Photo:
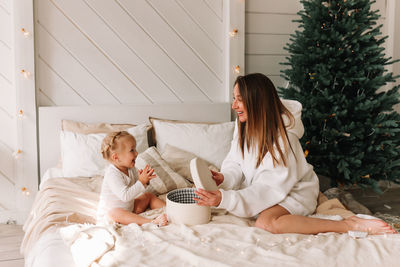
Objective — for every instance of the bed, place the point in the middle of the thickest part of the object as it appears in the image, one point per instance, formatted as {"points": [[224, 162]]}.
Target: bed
{"points": [[61, 229]]}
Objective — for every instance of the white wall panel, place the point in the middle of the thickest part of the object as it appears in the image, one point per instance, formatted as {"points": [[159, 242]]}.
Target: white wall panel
{"points": [[270, 23], [7, 196], [7, 162], [130, 51], [7, 133], [6, 66], [175, 47], [139, 41], [7, 95], [191, 34], [130, 64], [8, 140], [273, 6], [216, 6], [54, 88], [5, 27], [54, 23], [77, 76], [266, 44], [206, 19], [267, 64]]}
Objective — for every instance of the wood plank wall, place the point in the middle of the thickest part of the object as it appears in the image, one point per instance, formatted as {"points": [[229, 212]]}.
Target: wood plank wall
{"points": [[8, 118], [129, 51]]}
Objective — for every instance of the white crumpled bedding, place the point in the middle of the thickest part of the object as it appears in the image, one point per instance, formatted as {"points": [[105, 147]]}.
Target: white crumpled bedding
{"points": [[226, 241]]}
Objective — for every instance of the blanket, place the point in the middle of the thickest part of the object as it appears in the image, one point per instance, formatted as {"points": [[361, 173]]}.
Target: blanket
{"points": [[69, 205]]}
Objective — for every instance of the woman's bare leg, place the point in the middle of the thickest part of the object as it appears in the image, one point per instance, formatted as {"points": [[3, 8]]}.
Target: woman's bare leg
{"points": [[278, 220], [147, 200], [126, 217]]}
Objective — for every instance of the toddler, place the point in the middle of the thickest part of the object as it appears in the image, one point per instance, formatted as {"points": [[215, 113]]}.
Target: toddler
{"points": [[122, 195]]}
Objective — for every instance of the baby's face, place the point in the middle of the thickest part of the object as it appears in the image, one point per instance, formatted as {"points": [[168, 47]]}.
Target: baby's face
{"points": [[127, 154]]}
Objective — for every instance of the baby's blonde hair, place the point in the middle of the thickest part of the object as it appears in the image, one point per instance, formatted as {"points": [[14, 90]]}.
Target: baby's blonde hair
{"points": [[111, 143]]}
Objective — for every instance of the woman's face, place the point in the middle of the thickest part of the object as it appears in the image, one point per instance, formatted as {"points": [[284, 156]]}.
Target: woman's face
{"points": [[238, 105]]}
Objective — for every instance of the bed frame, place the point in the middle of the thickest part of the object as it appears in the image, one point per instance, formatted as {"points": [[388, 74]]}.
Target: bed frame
{"points": [[50, 120]]}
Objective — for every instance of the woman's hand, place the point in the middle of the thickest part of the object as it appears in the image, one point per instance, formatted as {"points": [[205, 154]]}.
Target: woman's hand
{"points": [[208, 198], [218, 177], [146, 175]]}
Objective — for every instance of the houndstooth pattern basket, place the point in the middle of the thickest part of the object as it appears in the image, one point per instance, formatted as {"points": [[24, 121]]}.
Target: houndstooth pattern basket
{"points": [[182, 208]]}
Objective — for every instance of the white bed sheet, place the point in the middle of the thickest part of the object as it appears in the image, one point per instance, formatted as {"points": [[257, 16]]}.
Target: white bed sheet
{"points": [[50, 250]]}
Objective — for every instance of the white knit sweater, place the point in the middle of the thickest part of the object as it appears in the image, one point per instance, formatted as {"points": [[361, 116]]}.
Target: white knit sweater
{"points": [[247, 190]]}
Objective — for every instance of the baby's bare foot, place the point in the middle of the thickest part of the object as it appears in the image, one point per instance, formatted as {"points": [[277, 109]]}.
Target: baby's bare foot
{"points": [[372, 226], [161, 220]]}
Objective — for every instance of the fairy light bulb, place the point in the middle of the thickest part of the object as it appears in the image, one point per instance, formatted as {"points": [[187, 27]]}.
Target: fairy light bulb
{"points": [[21, 114], [25, 191], [17, 154], [233, 33], [237, 69], [25, 73], [25, 32]]}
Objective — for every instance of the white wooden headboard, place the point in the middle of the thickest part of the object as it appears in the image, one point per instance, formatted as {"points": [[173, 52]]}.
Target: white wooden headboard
{"points": [[50, 120]]}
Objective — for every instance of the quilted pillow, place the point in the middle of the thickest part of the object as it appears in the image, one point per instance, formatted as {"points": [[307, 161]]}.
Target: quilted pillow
{"points": [[167, 179]]}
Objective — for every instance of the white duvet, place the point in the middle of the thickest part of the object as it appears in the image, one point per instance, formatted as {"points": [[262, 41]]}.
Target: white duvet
{"points": [[227, 240]]}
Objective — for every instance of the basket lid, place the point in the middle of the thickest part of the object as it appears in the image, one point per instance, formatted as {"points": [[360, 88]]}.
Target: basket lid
{"points": [[201, 175]]}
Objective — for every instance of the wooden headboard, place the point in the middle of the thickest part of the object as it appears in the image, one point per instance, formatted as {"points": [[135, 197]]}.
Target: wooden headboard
{"points": [[50, 120]]}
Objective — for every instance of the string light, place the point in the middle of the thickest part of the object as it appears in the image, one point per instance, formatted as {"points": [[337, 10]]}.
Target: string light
{"points": [[25, 191], [237, 69], [25, 32], [233, 33], [25, 73], [21, 114], [17, 154]]}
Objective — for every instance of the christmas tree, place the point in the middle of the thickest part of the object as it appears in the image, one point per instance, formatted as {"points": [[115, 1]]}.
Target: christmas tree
{"points": [[336, 66]]}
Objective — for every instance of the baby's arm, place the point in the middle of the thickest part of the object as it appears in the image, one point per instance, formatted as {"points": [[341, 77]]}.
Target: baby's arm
{"points": [[122, 190]]}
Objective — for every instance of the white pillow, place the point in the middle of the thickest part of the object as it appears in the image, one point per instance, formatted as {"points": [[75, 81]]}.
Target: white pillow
{"points": [[210, 142], [81, 156]]}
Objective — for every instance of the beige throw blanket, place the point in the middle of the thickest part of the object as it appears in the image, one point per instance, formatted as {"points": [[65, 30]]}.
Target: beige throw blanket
{"points": [[59, 202]]}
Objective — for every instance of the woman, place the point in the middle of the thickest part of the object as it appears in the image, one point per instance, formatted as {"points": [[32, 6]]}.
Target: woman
{"points": [[265, 173]]}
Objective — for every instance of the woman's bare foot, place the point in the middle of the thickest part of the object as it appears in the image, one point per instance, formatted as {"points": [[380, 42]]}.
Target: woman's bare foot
{"points": [[372, 226], [161, 220]]}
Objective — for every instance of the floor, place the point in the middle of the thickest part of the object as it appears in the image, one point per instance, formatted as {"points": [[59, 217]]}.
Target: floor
{"points": [[388, 202], [10, 241]]}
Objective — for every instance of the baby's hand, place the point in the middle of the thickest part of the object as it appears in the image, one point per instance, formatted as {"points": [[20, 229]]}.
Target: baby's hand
{"points": [[146, 175]]}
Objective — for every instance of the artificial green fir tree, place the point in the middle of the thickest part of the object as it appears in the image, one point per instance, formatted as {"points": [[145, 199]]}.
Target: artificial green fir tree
{"points": [[335, 68]]}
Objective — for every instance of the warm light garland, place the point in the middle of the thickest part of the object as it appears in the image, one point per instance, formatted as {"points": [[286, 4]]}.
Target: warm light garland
{"points": [[25, 191], [25, 32], [17, 153], [237, 69], [25, 73], [21, 114], [233, 33]]}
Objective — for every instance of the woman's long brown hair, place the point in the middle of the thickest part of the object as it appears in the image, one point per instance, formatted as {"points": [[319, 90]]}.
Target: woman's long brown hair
{"points": [[264, 125]]}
